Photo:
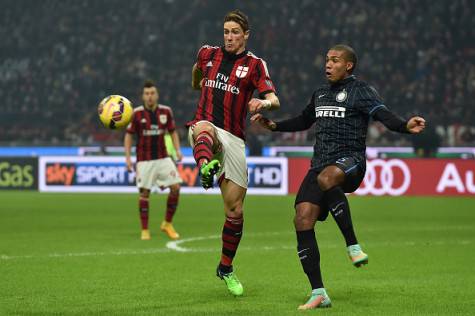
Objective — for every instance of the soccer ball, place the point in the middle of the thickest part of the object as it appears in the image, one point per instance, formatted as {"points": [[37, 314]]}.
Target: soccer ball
{"points": [[115, 111]]}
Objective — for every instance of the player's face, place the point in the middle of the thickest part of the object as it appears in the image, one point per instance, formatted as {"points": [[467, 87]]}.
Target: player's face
{"points": [[234, 38], [337, 68], [150, 96]]}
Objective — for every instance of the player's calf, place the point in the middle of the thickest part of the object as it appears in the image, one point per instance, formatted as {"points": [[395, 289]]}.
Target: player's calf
{"points": [[143, 212], [204, 142]]}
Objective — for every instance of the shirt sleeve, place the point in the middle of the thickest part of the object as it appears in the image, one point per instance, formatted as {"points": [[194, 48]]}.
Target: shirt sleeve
{"points": [[301, 122], [368, 100], [309, 111], [200, 57], [171, 121], [132, 127], [261, 79], [391, 120]]}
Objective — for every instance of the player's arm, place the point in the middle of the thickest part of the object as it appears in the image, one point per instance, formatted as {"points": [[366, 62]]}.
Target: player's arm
{"points": [[299, 123], [295, 124], [270, 102], [261, 80], [370, 102], [128, 140], [171, 127], [176, 144], [196, 77], [396, 123]]}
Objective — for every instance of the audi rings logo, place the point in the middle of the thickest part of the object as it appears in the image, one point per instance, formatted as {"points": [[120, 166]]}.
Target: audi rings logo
{"points": [[384, 177]]}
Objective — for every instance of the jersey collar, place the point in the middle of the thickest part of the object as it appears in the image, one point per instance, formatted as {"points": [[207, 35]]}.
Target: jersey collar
{"points": [[233, 56], [344, 81], [147, 109]]}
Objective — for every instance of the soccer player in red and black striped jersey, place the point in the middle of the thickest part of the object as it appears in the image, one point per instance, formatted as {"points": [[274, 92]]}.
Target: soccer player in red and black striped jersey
{"points": [[149, 124], [227, 77]]}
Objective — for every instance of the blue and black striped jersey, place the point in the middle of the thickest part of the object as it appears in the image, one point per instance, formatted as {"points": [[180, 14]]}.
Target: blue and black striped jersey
{"points": [[341, 113]]}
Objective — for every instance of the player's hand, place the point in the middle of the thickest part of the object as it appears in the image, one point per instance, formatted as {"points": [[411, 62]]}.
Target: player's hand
{"points": [[130, 165], [179, 156], [416, 124], [257, 105], [263, 121]]}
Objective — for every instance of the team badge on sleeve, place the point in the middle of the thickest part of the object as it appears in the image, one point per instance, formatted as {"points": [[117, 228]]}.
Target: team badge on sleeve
{"points": [[241, 71]]}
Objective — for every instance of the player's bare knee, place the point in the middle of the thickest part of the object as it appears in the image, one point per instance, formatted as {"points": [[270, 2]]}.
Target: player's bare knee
{"points": [[326, 181], [204, 127], [175, 189], [144, 193], [234, 209], [304, 218], [302, 222]]}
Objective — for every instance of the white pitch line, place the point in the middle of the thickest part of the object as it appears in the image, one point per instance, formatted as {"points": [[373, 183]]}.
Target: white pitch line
{"points": [[124, 252], [177, 246]]}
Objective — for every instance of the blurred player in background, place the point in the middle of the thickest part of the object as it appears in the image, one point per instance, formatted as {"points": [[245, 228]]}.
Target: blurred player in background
{"points": [[149, 124], [227, 77], [341, 110]]}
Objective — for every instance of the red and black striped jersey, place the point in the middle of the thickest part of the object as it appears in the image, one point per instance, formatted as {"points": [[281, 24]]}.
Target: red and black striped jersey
{"points": [[150, 128], [229, 82]]}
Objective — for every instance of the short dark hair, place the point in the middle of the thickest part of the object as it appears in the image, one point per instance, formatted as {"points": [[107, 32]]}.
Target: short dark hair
{"points": [[348, 53], [150, 84], [239, 17]]}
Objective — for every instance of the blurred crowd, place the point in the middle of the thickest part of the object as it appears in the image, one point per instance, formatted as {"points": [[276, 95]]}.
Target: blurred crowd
{"points": [[58, 59]]}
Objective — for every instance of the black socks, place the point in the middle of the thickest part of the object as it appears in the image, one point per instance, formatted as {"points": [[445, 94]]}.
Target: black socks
{"points": [[337, 202], [309, 257]]}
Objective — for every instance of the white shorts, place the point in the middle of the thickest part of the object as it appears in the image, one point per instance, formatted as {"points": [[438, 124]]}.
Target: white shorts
{"points": [[232, 155], [159, 172]]}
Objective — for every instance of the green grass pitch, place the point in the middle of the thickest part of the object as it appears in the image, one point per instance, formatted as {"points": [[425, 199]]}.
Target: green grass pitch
{"points": [[66, 254]]}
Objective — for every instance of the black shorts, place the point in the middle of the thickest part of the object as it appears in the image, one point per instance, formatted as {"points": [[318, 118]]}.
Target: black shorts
{"points": [[310, 191]]}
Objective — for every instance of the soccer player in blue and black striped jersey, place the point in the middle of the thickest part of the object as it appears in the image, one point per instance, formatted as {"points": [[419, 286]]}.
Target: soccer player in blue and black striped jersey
{"points": [[341, 110]]}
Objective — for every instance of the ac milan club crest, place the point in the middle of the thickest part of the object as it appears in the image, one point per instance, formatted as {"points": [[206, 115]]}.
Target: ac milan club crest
{"points": [[241, 71], [163, 118]]}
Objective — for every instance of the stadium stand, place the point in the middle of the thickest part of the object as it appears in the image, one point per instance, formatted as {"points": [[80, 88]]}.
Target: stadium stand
{"points": [[59, 59]]}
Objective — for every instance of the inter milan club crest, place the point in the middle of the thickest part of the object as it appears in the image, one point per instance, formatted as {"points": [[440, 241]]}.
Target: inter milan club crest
{"points": [[241, 71], [163, 118], [341, 96]]}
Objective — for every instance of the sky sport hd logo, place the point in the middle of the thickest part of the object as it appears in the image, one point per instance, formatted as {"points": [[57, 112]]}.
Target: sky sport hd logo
{"points": [[109, 174]]}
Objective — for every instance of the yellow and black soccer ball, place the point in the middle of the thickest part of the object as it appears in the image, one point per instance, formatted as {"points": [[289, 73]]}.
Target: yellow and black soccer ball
{"points": [[115, 111]]}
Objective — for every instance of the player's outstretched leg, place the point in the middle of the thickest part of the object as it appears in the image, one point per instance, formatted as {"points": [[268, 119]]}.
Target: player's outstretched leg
{"points": [[143, 212], [205, 141], [340, 210], [172, 203], [307, 250], [233, 196], [329, 180]]}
